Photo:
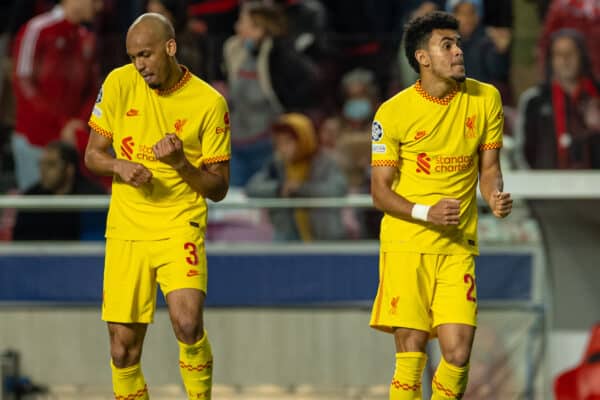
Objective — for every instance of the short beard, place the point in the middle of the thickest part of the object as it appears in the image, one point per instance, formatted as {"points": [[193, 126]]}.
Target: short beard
{"points": [[154, 85], [460, 79]]}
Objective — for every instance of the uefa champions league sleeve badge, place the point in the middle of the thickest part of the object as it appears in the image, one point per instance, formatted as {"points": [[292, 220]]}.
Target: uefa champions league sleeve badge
{"points": [[376, 131]]}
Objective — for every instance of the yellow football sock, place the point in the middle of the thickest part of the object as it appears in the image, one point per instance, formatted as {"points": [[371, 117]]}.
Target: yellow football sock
{"points": [[195, 364], [406, 383], [129, 383], [449, 381]]}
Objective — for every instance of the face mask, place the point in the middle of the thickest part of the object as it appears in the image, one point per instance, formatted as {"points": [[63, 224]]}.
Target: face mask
{"points": [[250, 45], [357, 109]]}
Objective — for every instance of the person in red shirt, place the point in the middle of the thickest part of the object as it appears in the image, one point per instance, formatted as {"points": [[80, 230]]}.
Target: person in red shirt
{"points": [[55, 83]]}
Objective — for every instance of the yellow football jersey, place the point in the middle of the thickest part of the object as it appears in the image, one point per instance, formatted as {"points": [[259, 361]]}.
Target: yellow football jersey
{"points": [[435, 144], [136, 117]]}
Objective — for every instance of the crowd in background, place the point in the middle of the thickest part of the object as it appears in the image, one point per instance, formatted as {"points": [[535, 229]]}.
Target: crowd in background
{"points": [[302, 78]]}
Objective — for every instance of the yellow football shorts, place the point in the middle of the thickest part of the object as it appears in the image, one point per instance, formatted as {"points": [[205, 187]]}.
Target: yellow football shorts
{"points": [[132, 269], [423, 291]]}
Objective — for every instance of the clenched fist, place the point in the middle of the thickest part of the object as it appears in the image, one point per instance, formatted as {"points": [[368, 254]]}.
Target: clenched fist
{"points": [[133, 173], [445, 212], [501, 204], [170, 151]]}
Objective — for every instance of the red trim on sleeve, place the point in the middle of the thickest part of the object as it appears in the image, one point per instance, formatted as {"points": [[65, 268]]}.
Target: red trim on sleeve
{"points": [[100, 130], [490, 146], [216, 159], [384, 163]]}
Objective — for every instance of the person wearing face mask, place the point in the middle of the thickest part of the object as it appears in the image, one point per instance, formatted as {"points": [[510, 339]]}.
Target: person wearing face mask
{"points": [[359, 94], [352, 152], [266, 78], [358, 109]]}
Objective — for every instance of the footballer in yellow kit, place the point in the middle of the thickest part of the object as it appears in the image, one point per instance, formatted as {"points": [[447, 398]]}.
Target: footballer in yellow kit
{"points": [[165, 217], [163, 135], [435, 145]]}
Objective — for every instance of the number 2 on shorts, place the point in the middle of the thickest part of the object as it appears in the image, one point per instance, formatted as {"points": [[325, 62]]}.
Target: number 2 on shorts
{"points": [[470, 280]]}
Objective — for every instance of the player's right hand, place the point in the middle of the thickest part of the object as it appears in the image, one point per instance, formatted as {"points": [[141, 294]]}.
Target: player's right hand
{"points": [[445, 212], [132, 173]]}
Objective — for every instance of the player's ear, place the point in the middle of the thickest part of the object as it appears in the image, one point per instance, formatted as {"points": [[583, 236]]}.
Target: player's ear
{"points": [[171, 47], [422, 57]]}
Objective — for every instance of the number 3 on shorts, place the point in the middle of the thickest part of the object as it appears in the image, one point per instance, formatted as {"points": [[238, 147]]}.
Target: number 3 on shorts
{"points": [[469, 279], [192, 259]]}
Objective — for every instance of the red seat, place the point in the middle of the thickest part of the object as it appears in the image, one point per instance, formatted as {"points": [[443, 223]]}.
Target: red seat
{"points": [[583, 381]]}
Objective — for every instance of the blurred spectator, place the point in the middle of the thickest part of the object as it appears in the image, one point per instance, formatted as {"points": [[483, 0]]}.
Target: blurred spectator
{"points": [[266, 78], [582, 15], [298, 169], [559, 120], [352, 149], [360, 100], [486, 51], [188, 42], [329, 134], [59, 175], [55, 83]]}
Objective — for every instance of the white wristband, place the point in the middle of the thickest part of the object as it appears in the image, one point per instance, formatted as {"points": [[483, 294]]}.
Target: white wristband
{"points": [[420, 211]]}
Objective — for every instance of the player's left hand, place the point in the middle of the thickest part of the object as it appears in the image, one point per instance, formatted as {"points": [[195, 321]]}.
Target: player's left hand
{"points": [[170, 151], [501, 204]]}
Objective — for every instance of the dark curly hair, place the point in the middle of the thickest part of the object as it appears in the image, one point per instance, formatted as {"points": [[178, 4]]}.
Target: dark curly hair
{"points": [[417, 32]]}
